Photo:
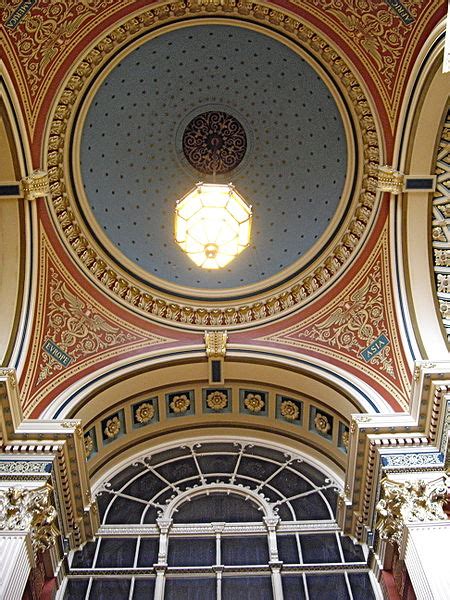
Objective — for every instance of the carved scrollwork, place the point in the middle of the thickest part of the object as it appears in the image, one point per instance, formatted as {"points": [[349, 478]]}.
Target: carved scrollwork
{"points": [[29, 510], [407, 502]]}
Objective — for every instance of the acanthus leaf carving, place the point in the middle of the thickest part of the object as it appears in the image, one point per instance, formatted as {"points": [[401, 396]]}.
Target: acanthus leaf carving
{"points": [[22, 509], [408, 502]]}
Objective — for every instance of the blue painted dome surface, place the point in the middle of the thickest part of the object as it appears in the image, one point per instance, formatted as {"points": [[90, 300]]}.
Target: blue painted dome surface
{"points": [[133, 169]]}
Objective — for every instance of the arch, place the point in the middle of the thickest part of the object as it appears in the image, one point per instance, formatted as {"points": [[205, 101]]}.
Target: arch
{"points": [[426, 100], [15, 217], [226, 488]]}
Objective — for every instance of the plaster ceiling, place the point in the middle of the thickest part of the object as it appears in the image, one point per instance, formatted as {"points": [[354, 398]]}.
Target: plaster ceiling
{"points": [[133, 168]]}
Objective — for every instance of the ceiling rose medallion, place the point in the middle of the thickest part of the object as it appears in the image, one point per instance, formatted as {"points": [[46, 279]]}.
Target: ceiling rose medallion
{"points": [[213, 221]]}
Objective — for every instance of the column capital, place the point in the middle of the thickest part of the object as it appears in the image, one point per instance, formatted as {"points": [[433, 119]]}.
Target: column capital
{"points": [[163, 525], [271, 522], [29, 510], [405, 502], [390, 180], [35, 185]]}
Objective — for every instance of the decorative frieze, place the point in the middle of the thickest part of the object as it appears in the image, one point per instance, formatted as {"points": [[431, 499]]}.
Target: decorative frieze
{"points": [[440, 232]]}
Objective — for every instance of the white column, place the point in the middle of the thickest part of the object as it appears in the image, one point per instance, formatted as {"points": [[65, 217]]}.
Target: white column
{"points": [[161, 566], [16, 561], [425, 552]]}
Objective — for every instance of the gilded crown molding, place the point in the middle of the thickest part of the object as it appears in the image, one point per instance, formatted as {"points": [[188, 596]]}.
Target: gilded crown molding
{"points": [[287, 297]]}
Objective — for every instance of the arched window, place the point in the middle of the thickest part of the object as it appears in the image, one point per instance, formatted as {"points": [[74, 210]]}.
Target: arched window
{"points": [[219, 521]]}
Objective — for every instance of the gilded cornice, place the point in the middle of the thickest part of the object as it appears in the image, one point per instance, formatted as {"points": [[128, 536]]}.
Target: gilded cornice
{"points": [[396, 446], [161, 306]]}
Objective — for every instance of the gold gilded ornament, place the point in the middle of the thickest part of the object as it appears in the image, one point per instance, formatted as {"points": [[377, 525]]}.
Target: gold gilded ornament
{"points": [[112, 427], [144, 413], [254, 402], [216, 400], [289, 410], [321, 423], [345, 439], [180, 404], [88, 445]]}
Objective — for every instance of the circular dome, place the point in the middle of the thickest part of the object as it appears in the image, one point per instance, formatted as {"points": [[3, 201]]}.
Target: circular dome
{"points": [[133, 169]]}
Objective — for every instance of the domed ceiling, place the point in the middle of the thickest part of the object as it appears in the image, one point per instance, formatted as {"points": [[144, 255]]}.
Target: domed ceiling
{"points": [[285, 150]]}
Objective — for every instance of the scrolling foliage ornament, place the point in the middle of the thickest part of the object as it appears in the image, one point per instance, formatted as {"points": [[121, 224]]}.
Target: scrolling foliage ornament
{"points": [[29, 510], [296, 291], [408, 502]]}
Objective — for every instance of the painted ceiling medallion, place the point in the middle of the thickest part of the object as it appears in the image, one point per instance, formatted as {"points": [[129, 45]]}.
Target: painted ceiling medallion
{"points": [[214, 142]]}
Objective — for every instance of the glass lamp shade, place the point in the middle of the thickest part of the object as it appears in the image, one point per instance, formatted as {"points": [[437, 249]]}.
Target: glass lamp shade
{"points": [[212, 224]]}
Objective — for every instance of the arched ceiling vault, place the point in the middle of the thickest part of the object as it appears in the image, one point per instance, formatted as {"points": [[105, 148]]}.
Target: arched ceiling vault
{"points": [[319, 291]]}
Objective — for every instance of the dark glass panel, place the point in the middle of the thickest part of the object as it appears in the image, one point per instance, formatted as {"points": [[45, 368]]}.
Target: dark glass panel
{"points": [[150, 515], [176, 452], [331, 495], [220, 447], [352, 552], [268, 492], [124, 510], [217, 507], [320, 548], [217, 463], [178, 469], [116, 589], [257, 468], [119, 480], [293, 588], [245, 550], [289, 484], [287, 549], [275, 455], [143, 589], [285, 513], [361, 586], [313, 474], [192, 552], [250, 588], [310, 507], [145, 487], [76, 589], [103, 501], [116, 552], [83, 558], [199, 588], [327, 587], [148, 552]]}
